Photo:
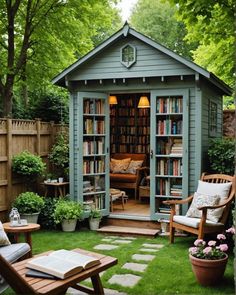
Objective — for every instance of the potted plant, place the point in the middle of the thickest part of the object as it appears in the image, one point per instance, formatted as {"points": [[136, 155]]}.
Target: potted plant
{"points": [[67, 212], [94, 219], [29, 205], [209, 259]]}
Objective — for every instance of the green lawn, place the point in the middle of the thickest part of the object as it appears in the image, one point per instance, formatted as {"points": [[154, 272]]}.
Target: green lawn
{"points": [[169, 273]]}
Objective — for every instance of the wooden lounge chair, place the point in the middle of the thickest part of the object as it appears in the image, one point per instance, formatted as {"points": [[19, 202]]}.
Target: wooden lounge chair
{"points": [[201, 226]]}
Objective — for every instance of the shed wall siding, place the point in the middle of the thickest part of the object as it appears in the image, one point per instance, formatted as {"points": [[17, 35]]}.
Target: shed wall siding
{"points": [[150, 62]]}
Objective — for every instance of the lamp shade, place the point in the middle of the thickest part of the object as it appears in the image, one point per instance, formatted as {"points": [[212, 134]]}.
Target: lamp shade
{"points": [[112, 99], [143, 102]]}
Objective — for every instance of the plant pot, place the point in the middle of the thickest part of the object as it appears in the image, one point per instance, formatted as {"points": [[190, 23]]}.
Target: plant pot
{"points": [[208, 272], [30, 217], [94, 223], [68, 224]]}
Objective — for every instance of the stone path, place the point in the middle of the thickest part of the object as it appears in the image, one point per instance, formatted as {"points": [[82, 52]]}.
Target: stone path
{"points": [[139, 262]]}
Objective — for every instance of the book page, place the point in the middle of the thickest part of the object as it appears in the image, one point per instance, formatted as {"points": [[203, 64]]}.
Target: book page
{"points": [[52, 265], [85, 261]]}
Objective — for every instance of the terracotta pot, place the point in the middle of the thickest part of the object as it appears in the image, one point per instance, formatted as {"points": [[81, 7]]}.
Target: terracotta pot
{"points": [[208, 272]]}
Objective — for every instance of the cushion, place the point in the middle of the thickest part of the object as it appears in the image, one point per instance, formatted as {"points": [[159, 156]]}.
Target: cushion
{"points": [[118, 177], [133, 166], [14, 251], [119, 166], [193, 222], [212, 189], [200, 200], [3, 237]]}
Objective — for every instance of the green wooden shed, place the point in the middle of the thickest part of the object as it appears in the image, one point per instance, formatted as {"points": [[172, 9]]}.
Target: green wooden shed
{"points": [[185, 113]]}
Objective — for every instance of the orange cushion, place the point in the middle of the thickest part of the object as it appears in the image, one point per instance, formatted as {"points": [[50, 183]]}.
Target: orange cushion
{"points": [[115, 177]]}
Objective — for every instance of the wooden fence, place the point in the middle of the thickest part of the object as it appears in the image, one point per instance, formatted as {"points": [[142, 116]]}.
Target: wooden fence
{"points": [[16, 136]]}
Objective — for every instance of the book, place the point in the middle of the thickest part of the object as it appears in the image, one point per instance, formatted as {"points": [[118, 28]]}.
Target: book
{"points": [[39, 274], [62, 263]]}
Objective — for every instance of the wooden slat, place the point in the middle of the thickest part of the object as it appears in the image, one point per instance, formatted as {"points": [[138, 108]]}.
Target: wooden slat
{"points": [[3, 159], [3, 182]]}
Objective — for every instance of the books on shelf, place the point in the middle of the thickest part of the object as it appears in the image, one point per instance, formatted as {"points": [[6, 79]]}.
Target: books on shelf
{"points": [[169, 127], [177, 147], [62, 263], [170, 105]]}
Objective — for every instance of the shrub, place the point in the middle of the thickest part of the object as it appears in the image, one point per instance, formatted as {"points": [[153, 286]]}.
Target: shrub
{"points": [[95, 214], [28, 202], [46, 217], [59, 155], [27, 164], [67, 209], [221, 154]]}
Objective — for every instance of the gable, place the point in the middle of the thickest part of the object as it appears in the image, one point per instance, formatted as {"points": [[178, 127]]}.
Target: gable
{"points": [[150, 62]]}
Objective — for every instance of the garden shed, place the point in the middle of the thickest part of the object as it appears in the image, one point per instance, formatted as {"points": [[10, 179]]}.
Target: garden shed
{"points": [[180, 110]]}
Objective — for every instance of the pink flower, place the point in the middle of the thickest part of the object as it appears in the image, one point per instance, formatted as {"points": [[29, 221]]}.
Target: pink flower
{"points": [[211, 243], [207, 250], [193, 250], [223, 247], [231, 230], [221, 237], [199, 242]]}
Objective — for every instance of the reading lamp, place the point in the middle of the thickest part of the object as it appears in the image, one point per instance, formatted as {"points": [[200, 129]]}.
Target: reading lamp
{"points": [[143, 102], [112, 99]]}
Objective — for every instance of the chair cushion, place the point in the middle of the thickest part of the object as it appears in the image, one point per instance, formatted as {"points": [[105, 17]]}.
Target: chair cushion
{"points": [[193, 222], [133, 166], [212, 189], [115, 177], [119, 166], [14, 251], [200, 200], [3, 237]]}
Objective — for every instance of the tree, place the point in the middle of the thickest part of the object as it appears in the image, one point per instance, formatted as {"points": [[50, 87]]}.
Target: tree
{"points": [[157, 20], [211, 24], [38, 38]]}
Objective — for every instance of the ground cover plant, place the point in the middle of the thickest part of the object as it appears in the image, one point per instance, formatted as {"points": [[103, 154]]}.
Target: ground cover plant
{"points": [[169, 273]]}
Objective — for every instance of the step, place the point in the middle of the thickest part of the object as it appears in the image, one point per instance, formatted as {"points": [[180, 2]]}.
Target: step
{"points": [[124, 230]]}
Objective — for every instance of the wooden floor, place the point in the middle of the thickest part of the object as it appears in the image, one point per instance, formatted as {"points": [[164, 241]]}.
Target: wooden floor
{"points": [[130, 231], [132, 207]]}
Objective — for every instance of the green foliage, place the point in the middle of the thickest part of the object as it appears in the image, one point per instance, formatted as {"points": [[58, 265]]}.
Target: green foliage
{"points": [[221, 154], [157, 20], [211, 24], [46, 217], [27, 164], [59, 155], [67, 209], [28, 202], [95, 214]]}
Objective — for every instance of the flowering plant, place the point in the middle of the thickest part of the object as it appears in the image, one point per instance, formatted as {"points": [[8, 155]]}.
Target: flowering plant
{"points": [[212, 250]]}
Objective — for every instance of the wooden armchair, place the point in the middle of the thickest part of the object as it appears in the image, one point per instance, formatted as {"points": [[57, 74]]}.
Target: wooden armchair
{"points": [[202, 226]]}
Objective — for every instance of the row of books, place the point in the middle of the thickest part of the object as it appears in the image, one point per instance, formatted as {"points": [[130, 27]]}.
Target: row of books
{"points": [[169, 167], [168, 127], [124, 148], [165, 209], [176, 190], [94, 106], [169, 105], [94, 126], [170, 146], [93, 166], [93, 147], [165, 188], [141, 139]]}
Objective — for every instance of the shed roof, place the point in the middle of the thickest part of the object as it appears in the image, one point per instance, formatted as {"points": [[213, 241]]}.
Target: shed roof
{"points": [[126, 30]]}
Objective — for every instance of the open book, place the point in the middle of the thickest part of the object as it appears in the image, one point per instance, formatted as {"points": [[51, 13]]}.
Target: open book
{"points": [[62, 263]]}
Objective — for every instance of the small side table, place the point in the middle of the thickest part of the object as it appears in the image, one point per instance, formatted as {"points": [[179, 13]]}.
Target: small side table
{"points": [[59, 188], [119, 195], [26, 230]]}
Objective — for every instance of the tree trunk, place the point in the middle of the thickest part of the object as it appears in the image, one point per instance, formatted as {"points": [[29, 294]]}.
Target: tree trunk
{"points": [[7, 102]]}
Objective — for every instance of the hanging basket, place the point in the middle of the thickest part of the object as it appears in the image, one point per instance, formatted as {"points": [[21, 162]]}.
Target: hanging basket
{"points": [[208, 272]]}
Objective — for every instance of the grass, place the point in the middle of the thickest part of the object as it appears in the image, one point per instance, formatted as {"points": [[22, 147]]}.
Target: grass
{"points": [[169, 273]]}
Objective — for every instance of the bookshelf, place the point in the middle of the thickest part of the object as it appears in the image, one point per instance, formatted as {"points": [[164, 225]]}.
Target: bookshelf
{"points": [[129, 126], [94, 153], [169, 150]]}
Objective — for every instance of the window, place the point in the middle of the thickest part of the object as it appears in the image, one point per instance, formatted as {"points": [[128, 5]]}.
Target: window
{"points": [[128, 55], [212, 118]]}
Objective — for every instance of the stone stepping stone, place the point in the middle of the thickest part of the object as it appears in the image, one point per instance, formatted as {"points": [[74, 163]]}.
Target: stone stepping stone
{"points": [[126, 280], [135, 266], [106, 292], [121, 242], [156, 246], [105, 247], [107, 240], [145, 257], [149, 250]]}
